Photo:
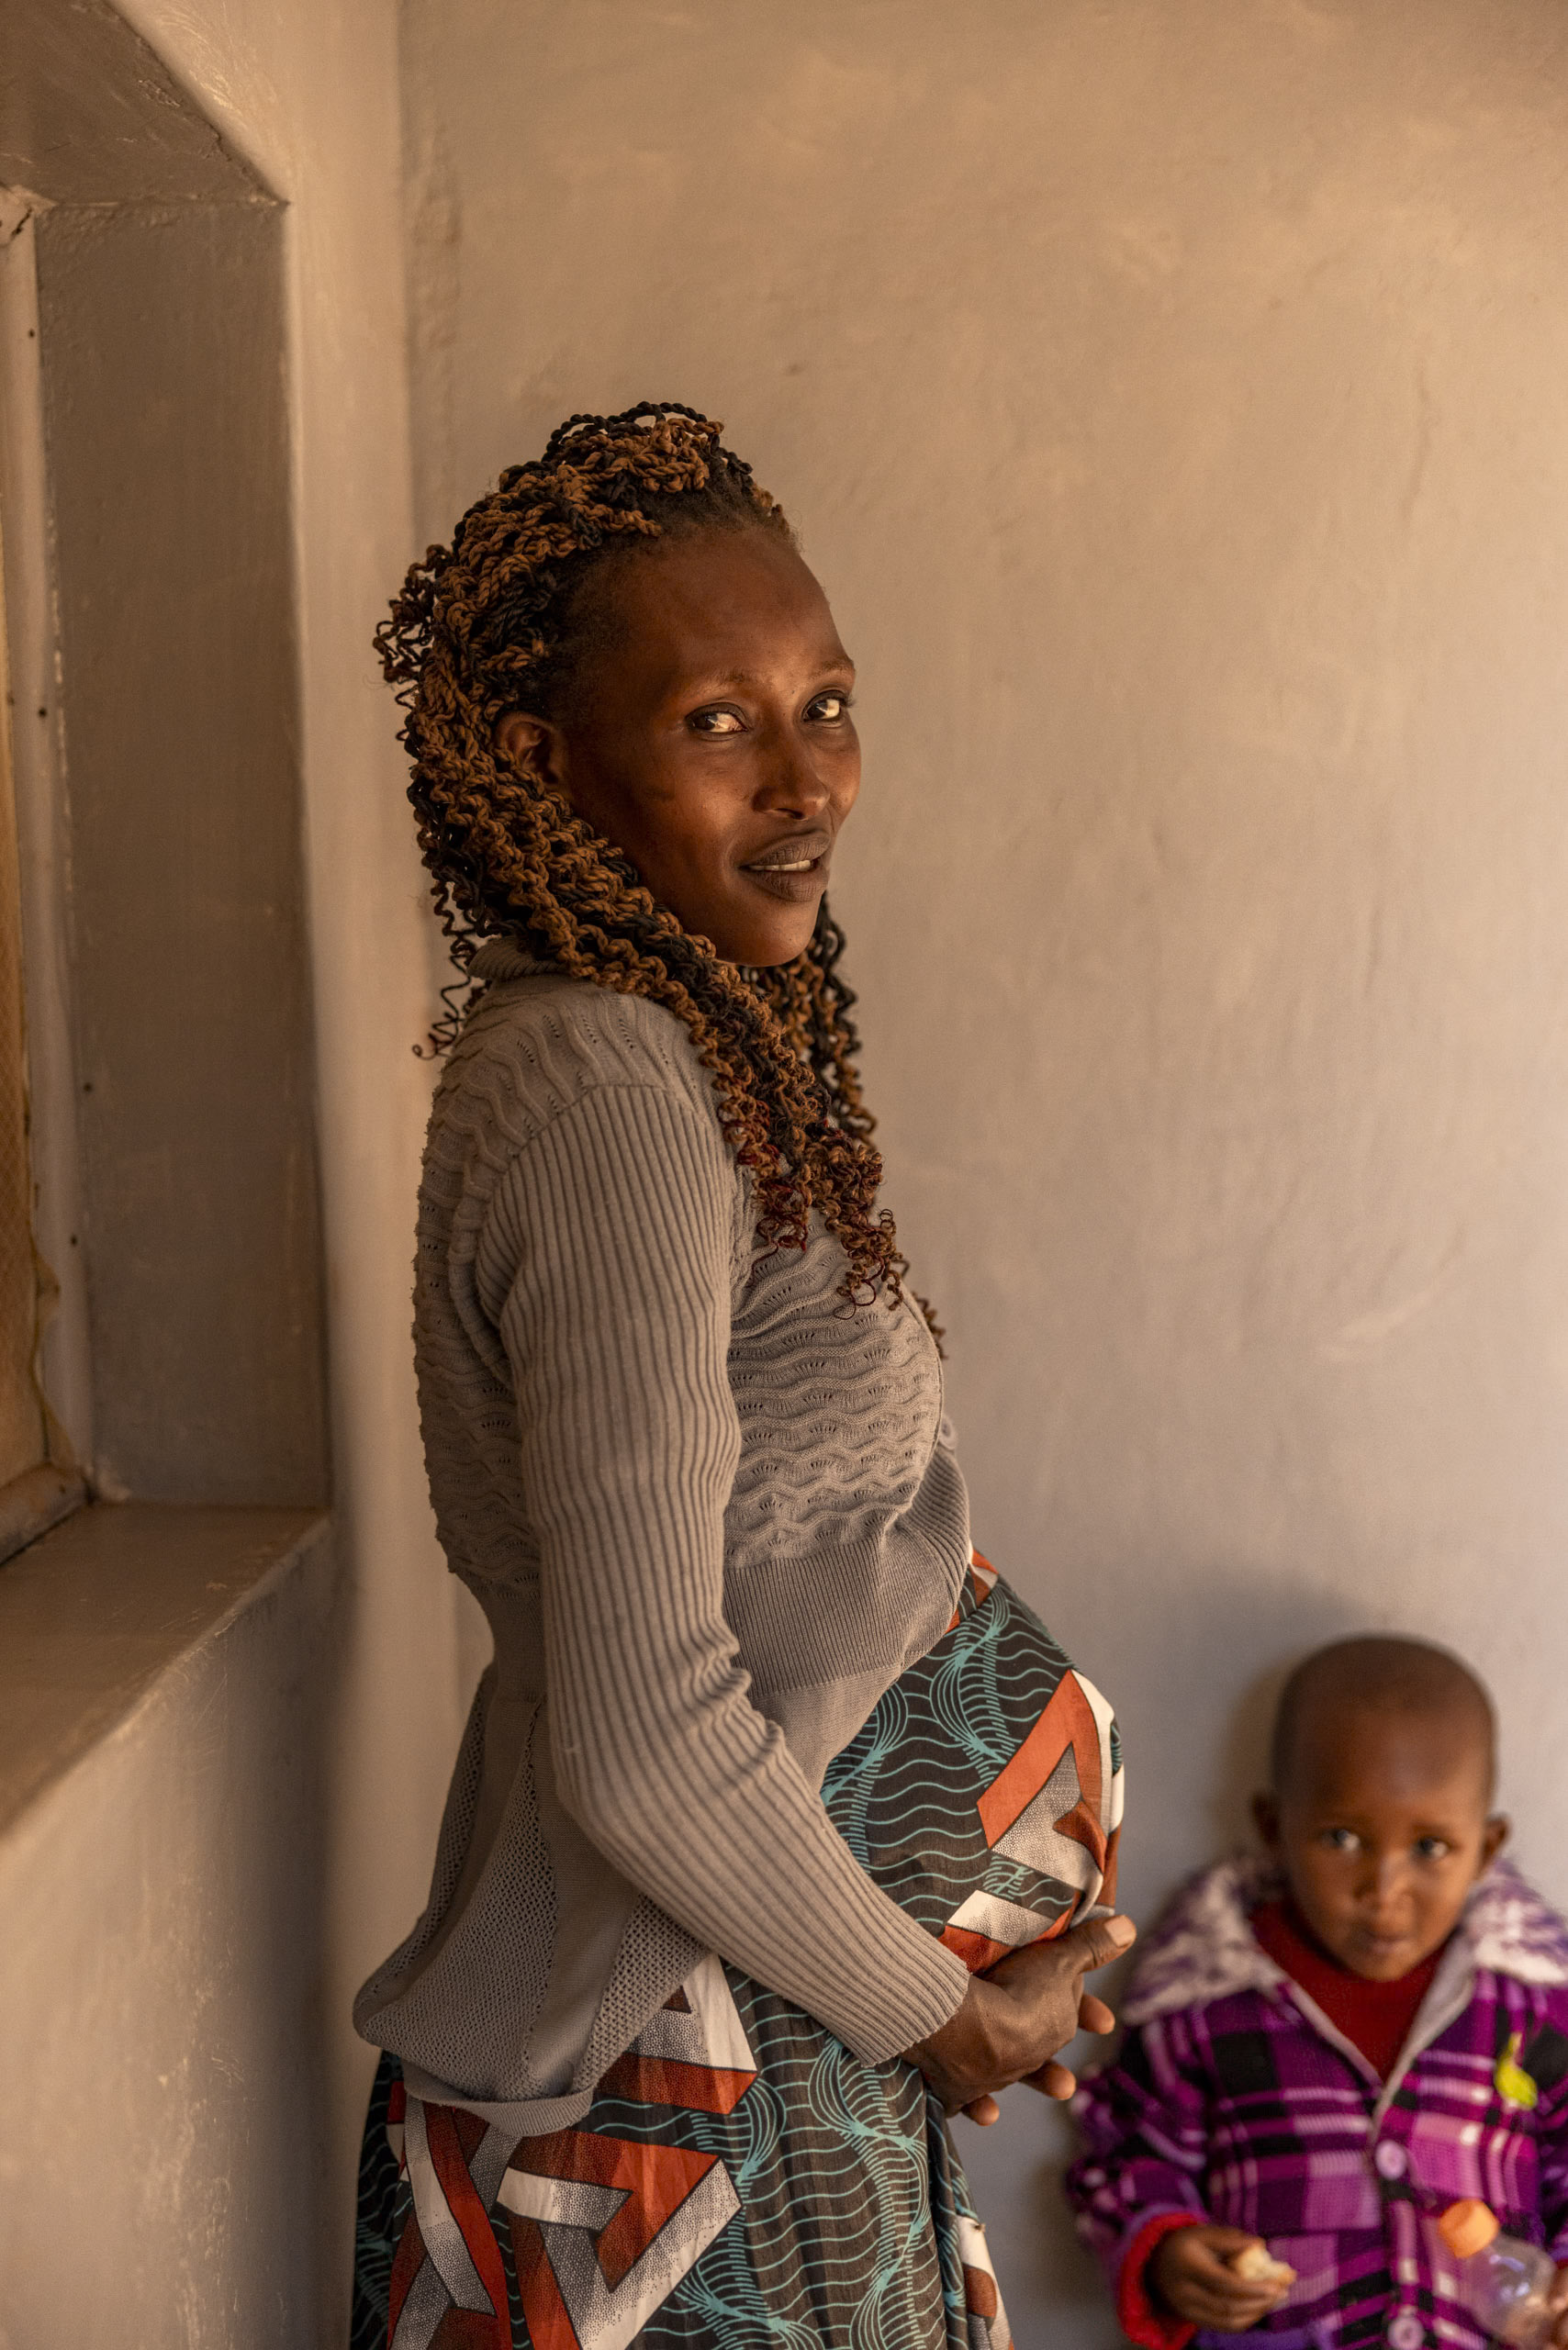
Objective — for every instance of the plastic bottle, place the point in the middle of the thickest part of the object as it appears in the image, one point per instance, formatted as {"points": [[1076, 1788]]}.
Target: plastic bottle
{"points": [[1503, 2282]]}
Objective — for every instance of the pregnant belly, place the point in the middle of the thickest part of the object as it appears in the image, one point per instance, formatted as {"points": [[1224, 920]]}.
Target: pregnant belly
{"points": [[985, 1792]]}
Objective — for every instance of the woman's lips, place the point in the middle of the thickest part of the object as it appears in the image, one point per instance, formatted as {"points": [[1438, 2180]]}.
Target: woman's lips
{"points": [[793, 870]]}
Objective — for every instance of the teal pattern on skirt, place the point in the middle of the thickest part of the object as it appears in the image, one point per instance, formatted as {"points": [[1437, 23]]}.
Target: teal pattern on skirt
{"points": [[741, 2179]]}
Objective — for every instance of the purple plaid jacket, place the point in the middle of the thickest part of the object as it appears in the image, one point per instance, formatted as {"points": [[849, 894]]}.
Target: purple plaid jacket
{"points": [[1235, 2099]]}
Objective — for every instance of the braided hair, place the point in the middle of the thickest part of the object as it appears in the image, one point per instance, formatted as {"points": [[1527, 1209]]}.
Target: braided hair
{"points": [[500, 621]]}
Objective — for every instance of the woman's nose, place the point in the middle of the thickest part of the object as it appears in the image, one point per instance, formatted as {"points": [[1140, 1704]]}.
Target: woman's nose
{"points": [[791, 781]]}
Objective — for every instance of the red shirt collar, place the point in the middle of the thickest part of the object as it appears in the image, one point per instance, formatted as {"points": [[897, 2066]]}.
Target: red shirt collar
{"points": [[1374, 2017]]}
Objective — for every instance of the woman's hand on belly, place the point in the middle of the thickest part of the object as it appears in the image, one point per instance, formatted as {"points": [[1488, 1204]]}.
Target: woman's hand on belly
{"points": [[1014, 2021]]}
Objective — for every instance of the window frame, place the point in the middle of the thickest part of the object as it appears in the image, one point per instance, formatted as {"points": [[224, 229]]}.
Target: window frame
{"points": [[57, 1484]]}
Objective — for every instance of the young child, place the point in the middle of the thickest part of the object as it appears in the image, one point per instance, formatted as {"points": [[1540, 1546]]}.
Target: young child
{"points": [[1326, 2048]]}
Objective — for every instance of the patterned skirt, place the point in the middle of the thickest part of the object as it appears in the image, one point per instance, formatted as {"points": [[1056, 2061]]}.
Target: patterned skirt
{"points": [[741, 2179]]}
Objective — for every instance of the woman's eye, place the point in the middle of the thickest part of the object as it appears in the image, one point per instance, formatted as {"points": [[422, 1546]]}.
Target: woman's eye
{"points": [[829, 710], [715, 722]]}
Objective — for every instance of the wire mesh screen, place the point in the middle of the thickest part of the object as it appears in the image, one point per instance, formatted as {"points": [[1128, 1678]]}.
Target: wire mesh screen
{"points": [[22, 1434]]}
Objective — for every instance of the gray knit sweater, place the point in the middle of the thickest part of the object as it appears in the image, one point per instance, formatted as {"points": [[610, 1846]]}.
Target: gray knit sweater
{"points": [[710, 1516]]}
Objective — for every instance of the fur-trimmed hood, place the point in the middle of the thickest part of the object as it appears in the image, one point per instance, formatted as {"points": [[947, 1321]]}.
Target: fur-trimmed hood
{"points": [[1204, 1948]]}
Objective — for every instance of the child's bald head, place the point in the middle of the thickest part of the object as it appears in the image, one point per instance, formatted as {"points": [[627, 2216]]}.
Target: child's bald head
{"points": [[1378, 1814], [1435, 1697]]}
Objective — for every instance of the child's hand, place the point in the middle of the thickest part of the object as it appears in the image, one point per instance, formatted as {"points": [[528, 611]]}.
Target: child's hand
{"points": [[1189, 2272], [1558, 2303]]}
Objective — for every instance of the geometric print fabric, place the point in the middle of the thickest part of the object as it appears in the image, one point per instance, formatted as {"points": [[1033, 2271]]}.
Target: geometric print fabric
{"points": [[739, 2177]]}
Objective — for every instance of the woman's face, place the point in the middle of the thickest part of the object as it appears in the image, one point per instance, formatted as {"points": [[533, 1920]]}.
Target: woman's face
{"points": [[708, 735]]}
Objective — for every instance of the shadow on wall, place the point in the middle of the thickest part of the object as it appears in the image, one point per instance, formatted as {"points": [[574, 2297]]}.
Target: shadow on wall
{"points": [[159, 795], [1290, 1625], [1195, 1687]]}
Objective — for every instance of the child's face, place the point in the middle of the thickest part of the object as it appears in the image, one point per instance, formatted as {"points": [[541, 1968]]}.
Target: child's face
{"points": [[1381, 1831]]}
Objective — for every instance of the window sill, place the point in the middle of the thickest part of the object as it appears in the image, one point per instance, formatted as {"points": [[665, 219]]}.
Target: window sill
{"points": [[93, 1613], [34, 1502]]}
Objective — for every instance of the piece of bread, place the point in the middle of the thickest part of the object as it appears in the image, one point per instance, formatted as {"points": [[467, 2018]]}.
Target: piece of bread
{"points": [[1256, 2264]]}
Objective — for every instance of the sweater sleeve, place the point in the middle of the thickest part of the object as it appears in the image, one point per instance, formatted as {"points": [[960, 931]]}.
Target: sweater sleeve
{"points": [[1144, 2122], [619, 1218], [1551, 2146]]}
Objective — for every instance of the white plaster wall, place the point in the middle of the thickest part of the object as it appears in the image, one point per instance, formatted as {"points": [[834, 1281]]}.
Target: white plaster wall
{"points": [[310, 95], [163, 2026], [1170, 396]]}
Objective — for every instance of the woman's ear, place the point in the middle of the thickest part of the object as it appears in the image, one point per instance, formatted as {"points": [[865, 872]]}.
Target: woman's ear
{"points": [[1266, 1819], [531, 746]]}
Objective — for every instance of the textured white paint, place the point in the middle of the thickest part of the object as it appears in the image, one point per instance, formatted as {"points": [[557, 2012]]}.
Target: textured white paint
{"points": [[162, 2020], [1170, 396]]}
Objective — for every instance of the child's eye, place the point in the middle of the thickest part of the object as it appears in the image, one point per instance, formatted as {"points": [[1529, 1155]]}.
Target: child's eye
{"points": [[1340, 1839], [1432, 1848]]}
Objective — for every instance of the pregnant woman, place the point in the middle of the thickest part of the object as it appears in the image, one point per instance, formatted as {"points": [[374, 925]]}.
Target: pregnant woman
{"points": [[780, 1829]]}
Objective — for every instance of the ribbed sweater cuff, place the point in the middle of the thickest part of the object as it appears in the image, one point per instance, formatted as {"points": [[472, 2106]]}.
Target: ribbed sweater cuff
{"points": [[906, 2002], [1141, 2321]]}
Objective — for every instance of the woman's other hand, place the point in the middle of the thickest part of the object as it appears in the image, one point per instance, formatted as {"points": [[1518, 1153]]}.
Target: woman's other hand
{"points": [[1014, 2019], [1190, 2271]]}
